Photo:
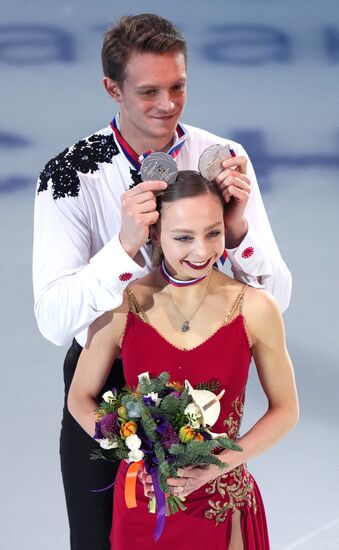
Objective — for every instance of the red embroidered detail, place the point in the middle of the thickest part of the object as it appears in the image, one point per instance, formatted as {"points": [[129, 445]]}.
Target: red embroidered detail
{"points": [[125, 276], [248, 252]]}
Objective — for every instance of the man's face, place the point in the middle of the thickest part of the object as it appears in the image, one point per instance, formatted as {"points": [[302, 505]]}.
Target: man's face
{"points": [[152, 97]]}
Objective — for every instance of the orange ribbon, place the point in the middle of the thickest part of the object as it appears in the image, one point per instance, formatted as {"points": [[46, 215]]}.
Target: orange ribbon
{"points": [[130, 484]]}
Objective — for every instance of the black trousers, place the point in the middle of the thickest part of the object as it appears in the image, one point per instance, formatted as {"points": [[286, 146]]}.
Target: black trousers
{"points": [[89, 514]]}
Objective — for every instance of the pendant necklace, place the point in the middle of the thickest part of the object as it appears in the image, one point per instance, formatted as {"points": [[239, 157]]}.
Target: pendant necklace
{"points": [[185, 327]]}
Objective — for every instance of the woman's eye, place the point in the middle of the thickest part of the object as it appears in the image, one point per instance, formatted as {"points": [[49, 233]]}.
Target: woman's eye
{"points": [[214, 233], [183, 238]]}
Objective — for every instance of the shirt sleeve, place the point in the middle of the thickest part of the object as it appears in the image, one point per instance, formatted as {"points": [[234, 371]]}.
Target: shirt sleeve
{"points": [[257, 260], [72, 288]]}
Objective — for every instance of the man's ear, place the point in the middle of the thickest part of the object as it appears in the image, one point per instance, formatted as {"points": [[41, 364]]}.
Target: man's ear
{"points": [[112, 88]]}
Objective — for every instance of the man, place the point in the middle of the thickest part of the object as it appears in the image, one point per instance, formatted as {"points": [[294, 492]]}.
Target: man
{"points": [[92, 218]]}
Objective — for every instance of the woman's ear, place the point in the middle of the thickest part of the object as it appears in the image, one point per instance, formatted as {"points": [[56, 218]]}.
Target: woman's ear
{"points": [[154, 235]]}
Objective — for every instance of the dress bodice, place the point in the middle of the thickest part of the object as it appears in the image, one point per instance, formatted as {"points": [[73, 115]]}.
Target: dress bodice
{"points": [[225, 356]]}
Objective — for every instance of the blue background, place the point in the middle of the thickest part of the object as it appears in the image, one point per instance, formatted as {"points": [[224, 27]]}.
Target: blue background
{"points": [[261, 72]]}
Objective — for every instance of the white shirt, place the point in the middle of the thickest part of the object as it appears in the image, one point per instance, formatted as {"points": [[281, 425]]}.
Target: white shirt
{"points": [[79, 266]]}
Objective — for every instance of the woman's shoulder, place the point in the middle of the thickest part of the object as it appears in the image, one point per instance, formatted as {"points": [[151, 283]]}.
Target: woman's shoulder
{"points": [[142, 289]]}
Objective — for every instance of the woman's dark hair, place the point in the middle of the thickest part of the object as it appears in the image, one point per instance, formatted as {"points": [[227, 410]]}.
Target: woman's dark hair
{"points": [[144, 33], [189, 183]]}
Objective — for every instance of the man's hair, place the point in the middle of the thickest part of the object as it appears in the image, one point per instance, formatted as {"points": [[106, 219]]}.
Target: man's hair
{"points": [[144, 33]]}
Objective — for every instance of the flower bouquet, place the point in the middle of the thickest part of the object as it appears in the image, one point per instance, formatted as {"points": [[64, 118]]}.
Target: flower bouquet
{"points": [[162, 425]]}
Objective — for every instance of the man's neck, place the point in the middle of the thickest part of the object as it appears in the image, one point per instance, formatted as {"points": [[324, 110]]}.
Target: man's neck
{"points": [[140, 144]]}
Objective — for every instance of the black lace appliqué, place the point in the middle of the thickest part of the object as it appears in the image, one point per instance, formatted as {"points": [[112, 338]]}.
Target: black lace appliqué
{"points": [[136, 178], [83, 157]]}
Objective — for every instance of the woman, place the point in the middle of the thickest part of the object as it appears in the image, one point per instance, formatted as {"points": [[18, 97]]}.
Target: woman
{"points": [[189, 319]]}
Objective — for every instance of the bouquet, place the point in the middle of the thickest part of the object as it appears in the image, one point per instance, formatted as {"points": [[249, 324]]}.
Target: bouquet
{"points": [[162, 425]]}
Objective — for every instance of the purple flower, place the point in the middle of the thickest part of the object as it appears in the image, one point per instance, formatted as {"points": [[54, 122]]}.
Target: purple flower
{"points": [[175, 393], [109, 424], [98, 432], [149, 401], [161, 422], [169, 437]]}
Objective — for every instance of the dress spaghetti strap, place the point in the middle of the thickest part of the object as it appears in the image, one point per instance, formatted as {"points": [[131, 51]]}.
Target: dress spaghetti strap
{"points": [[135, 307], [236, 306]]}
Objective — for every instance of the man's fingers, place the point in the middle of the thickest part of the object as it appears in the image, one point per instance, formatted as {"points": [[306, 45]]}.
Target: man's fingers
{"points": [[240, 182], [239, 163], [233, 191], [154, 186]]}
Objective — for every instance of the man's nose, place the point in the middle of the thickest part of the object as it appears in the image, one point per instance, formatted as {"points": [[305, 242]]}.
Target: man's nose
{"points": [[165, 101]]}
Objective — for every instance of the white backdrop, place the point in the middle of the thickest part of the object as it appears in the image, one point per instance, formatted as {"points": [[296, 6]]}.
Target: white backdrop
{"points": [[261, 72]]}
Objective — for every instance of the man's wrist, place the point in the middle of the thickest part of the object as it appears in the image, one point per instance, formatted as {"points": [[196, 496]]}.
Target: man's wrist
{"points": [[235, 233], [129, 249]]}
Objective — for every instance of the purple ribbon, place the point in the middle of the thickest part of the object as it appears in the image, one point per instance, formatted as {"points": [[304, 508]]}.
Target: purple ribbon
{"points": [[103, 489], [160, 499]]}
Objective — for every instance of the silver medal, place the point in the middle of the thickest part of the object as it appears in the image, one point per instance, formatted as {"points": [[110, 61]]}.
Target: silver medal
{"points": [[211, 158], [159, 166]]}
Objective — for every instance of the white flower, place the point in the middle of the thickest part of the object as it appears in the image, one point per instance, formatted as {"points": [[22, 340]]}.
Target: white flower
{"points": [[133, 442], [155, 398], [108, 396], [194, 415], [135, 456], [107, 444]]}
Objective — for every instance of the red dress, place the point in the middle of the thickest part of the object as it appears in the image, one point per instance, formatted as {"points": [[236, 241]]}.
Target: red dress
{"points": [[207, 521]]}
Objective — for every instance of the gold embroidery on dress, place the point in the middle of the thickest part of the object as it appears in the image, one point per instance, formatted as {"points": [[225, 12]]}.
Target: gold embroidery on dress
{"points": [[235, 488], [234, 419]]}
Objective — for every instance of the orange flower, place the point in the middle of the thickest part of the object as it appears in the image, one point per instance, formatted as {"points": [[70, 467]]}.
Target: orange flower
{"points": [[129, 428], [176, 386], [186, 433], [198, 437]]}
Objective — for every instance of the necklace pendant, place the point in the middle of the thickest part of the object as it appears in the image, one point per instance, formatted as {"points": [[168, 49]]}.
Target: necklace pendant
{"points": [[185, 326]]}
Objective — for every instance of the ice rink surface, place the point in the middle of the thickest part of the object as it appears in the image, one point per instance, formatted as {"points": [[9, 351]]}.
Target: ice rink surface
{"points": [[265, 73]]}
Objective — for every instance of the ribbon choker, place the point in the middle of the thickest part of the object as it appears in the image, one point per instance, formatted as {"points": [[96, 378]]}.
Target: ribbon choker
{"points": [[177, 282]]}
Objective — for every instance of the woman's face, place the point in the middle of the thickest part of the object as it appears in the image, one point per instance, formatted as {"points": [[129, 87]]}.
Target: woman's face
{"points": [[191, 233]]}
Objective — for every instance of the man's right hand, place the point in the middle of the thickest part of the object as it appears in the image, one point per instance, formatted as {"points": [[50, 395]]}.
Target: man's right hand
{"points": [[138, 212]]}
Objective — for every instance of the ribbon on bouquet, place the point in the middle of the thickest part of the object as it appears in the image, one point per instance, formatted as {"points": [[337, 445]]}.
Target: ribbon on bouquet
{"points": [[160, 497]]}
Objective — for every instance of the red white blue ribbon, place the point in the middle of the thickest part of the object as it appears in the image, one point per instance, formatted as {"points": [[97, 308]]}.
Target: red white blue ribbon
{"points": [[177, 282], [131, 155]]}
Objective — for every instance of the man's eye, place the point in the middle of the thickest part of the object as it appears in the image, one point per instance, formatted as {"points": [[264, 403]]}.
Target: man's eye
{"points": [[148, 92], [179, 87]]}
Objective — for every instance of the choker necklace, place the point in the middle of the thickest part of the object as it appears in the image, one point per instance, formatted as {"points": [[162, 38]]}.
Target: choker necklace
{"points": [[185, 327], [177, 282]]}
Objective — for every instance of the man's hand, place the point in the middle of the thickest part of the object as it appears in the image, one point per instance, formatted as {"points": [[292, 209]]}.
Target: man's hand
{"points": [[235, 187], [138, 212]]}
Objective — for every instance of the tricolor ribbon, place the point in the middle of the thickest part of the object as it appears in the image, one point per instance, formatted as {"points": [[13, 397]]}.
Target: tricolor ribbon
{"points": [[132, 156]]}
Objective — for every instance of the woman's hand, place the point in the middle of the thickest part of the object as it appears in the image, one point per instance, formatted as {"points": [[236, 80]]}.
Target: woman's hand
{"points": [[192, 478], [146, 480]]}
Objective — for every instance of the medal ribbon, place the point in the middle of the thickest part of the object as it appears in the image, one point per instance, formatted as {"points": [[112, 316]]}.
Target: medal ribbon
{"points": [[131, 155], [177, 282]]}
